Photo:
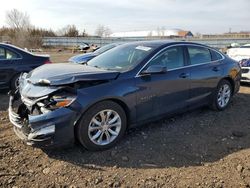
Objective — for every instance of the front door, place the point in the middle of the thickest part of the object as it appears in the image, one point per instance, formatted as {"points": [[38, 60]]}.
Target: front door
{"points": [[167, 92]]}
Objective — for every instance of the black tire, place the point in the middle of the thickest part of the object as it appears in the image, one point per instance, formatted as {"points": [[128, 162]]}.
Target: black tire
{"points": [[82, 129], [215, 104], [14, 82]]}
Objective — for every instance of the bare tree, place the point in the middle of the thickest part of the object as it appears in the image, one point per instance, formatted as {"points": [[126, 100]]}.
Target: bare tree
{"points": [[158, 30], [107, 32], [22, 32], [100, 30], [71, 31], [17, 19], [162, 31], [61, 32], [103, 31], [150, 34], [84, 33], [198, 35]]}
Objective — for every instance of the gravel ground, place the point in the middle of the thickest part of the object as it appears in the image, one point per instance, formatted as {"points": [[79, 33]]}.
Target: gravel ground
{"points": [[201, 148]]}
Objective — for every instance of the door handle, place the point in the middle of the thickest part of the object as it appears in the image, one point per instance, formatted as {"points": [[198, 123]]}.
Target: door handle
{"points": [[184, 75], [215, 69]]}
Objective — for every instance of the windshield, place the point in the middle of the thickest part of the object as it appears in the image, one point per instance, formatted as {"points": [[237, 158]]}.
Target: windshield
{"points": [[121, 58], [104, 48]]}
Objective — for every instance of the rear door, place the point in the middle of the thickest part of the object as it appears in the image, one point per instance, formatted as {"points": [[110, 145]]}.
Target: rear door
{"points": [[205, 72], [8, 62], [164, 92]]}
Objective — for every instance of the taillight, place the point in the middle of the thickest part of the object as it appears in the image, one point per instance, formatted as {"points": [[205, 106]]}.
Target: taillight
{"points": [[47, 62]]}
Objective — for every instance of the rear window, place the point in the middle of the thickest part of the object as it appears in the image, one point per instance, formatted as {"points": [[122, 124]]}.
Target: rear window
{"points": [[216, 56], [11, 55], [7, 54], [199, 55]]}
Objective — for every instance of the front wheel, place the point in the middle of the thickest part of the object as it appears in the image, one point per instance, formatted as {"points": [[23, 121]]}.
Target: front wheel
{"points": [[222, 95], [102, 126], [14, 82]]}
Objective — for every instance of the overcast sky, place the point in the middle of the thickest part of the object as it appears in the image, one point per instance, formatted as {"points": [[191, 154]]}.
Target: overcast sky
{"points": [[204, 16]]}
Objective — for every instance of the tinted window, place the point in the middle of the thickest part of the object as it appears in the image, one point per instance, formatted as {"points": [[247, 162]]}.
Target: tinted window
{"points": [[7, 54], [171, 58], [199, 55], [216, 56], [11, 55]]}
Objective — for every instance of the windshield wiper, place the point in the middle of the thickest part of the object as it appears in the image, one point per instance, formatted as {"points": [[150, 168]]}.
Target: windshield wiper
{"points": [[84, 63], [96, 66]]}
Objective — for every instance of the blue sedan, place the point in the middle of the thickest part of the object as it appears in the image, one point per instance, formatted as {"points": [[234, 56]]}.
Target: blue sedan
{"points": [[131, 84], [14, 61]]}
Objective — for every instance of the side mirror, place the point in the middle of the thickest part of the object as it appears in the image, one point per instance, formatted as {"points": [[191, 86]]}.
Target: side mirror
{"points": [[155, 69]]}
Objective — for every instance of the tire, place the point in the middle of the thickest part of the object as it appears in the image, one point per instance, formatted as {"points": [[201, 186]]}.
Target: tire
{"points": [[95, 132], [14, 82], [222, 96]]}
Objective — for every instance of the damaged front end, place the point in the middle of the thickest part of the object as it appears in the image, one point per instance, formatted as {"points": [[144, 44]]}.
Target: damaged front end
{"points": [[50, 100], [43, 115]]}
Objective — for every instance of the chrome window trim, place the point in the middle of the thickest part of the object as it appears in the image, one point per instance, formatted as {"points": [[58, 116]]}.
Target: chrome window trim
{"points": [[197, 45], [10, 59]]}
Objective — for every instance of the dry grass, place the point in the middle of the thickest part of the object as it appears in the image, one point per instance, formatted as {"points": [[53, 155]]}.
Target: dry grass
{"points": [[60, 57]]}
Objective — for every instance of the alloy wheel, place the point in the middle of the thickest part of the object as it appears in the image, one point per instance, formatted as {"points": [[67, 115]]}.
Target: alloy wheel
{"points": [[224, 95], [104, 127]]}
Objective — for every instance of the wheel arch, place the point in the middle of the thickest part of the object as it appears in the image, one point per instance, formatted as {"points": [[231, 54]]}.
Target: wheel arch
{"points": [[231, 81], [116, 100], [13, 77]]}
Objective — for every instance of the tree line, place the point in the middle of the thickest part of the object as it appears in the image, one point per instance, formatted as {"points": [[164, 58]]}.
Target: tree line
{"points": [[21, 32]]}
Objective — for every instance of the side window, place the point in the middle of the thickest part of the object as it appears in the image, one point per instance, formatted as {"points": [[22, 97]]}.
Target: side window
{"points": [[11, 55], [2, 54], [216, 56], [171, 58], [7, 54], [199, 55]]}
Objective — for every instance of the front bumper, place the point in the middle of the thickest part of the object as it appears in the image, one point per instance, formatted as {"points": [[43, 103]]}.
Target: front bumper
{"points": [[54, 128]]}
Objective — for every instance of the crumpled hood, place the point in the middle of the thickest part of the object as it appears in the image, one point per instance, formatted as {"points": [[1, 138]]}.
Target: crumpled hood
{"points": [[82, 57], [66, 73]]}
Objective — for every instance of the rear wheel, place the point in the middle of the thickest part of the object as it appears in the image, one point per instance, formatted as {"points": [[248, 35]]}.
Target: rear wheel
{"points": [[222, 95], [102, 126]]}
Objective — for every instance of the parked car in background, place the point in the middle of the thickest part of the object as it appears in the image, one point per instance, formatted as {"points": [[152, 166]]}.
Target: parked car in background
{"points": [[83, 46], [131, 84], [245, 68], [14, 61], [83, 58], [240, 53]]}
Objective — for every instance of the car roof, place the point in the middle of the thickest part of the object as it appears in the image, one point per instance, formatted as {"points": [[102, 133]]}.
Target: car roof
{"points": [[163, 43], [20, 50]]}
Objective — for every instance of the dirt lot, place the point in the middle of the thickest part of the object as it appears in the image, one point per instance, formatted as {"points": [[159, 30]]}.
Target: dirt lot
{"points": [[60, 57], [202, 148]]}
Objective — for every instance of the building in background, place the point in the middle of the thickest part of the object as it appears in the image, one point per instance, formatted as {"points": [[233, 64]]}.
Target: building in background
{"points": [[230, 35]]}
